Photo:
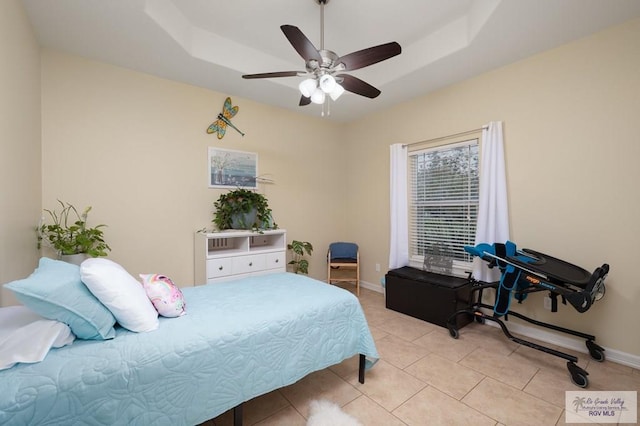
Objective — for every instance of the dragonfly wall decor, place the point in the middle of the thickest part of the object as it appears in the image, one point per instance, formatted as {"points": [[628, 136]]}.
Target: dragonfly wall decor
{"points": [[224, 119]]}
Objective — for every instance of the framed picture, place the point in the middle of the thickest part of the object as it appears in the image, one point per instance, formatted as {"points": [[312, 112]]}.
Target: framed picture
{"points": [[232, 169]]}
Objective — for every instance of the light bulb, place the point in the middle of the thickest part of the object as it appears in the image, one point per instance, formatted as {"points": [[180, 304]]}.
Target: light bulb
{"points": [[317, 97], [307, 87], [336, 92], [327, 83]]}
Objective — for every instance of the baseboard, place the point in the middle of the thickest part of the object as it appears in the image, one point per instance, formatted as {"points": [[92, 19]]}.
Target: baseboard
{"points": [[373, 287], [566, 342]]}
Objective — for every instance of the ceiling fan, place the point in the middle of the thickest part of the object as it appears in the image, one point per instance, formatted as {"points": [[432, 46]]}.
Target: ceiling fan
{"points": [[324, 68]]}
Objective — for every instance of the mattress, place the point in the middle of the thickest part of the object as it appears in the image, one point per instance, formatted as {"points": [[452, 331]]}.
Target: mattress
{"points": [[238, 340]]}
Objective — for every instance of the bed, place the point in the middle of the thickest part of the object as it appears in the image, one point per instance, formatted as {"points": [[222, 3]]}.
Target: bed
{"points": [[238, 340]]}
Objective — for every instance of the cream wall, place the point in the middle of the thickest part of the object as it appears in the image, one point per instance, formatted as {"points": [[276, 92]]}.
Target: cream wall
{"points": [[571, 141], [19, 145], [134, 147]]}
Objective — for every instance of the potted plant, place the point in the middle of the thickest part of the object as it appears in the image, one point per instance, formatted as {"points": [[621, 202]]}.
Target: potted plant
{"points": [[299, 248], [69, 234], [243, 209]]}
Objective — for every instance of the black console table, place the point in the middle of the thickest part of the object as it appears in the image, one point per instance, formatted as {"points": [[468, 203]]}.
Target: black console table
{"points": [[428, 296]]}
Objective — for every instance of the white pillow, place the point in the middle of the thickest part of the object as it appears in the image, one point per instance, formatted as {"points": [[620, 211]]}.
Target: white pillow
{"points": [[27, 337], [125, 297]]}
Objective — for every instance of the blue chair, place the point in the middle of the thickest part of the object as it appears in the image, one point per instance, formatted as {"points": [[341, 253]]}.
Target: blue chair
{"points": [[343, 256]]}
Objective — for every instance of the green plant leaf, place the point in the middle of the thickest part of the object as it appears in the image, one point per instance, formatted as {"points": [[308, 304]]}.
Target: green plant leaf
{"points": [[299, 248], [239, 202], [74, 238]]}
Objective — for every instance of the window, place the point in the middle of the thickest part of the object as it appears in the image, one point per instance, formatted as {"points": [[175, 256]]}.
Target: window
{"points": [[443, 205]]}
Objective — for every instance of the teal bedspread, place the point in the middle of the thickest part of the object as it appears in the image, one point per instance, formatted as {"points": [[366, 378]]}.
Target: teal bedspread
{"points": [[238, 340]]}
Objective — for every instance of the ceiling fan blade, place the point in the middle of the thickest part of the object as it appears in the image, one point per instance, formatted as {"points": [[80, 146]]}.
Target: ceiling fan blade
{"points": [[370, 56], [304, 101], [357, 86], [273, 74], [301, 43]]}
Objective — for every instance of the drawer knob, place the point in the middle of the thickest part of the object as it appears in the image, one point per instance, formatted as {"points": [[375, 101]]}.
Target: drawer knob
{"points": [[250, 263], [277, 260], [220, 268]]}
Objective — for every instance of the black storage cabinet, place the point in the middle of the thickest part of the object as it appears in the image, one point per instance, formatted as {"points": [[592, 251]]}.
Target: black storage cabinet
{"points": [[428, 296]]}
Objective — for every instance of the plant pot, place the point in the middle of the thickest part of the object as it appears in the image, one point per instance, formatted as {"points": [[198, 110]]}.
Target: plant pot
{"points": [[75, 259], [243, 220]]}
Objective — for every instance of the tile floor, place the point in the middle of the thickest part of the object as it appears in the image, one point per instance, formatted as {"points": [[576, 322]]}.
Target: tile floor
{"points": [[425, 377]]}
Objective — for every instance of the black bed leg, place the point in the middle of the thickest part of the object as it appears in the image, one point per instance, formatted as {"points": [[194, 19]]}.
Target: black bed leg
{"points": [[237, 415], [361, 369]]}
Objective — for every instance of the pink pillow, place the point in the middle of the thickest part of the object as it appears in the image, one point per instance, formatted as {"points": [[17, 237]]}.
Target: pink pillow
{"points": [[164, 294]]}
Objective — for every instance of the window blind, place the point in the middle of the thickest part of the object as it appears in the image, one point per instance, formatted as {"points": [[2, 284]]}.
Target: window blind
{"points": [[443, 201]]}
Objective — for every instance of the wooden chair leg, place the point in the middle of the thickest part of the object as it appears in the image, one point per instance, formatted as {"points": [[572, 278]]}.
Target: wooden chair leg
{"points": [[328, 268], [358, 275]]}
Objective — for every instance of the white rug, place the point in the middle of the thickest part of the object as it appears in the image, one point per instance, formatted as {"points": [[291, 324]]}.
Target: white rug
{"points": [[326, 413]]}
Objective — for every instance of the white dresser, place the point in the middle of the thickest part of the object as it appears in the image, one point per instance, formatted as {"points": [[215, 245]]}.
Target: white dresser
{"points": [[228, 255]]}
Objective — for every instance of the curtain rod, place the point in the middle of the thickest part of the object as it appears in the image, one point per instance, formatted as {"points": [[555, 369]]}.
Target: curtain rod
{"points": [[448, 136]]}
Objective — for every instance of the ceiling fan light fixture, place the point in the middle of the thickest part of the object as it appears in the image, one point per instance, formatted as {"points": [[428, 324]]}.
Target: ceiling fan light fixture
{"points": [[324, 68], [336, 92], [327, 83], [317, 97], [307, 87]]}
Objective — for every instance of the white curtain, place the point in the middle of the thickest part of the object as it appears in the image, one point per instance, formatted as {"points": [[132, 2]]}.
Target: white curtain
{"points": [[399, 244], [493, 209]]}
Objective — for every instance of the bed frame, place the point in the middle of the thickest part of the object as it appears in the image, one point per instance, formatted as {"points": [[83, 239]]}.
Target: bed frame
{"points": [[237, 410]]}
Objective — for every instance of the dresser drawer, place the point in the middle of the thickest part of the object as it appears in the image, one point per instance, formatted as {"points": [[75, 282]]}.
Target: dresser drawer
{"points": [[219, 267], [251, 263], [276, 260], [236, 254]]}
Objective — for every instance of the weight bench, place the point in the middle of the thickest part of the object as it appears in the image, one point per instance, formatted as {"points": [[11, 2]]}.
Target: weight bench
{"points": [[527, 271]]}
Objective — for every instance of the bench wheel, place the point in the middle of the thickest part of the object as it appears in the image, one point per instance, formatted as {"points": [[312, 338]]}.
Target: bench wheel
{"points": [[579, 380], [596, 352], [453, 332], [578, 375]]}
